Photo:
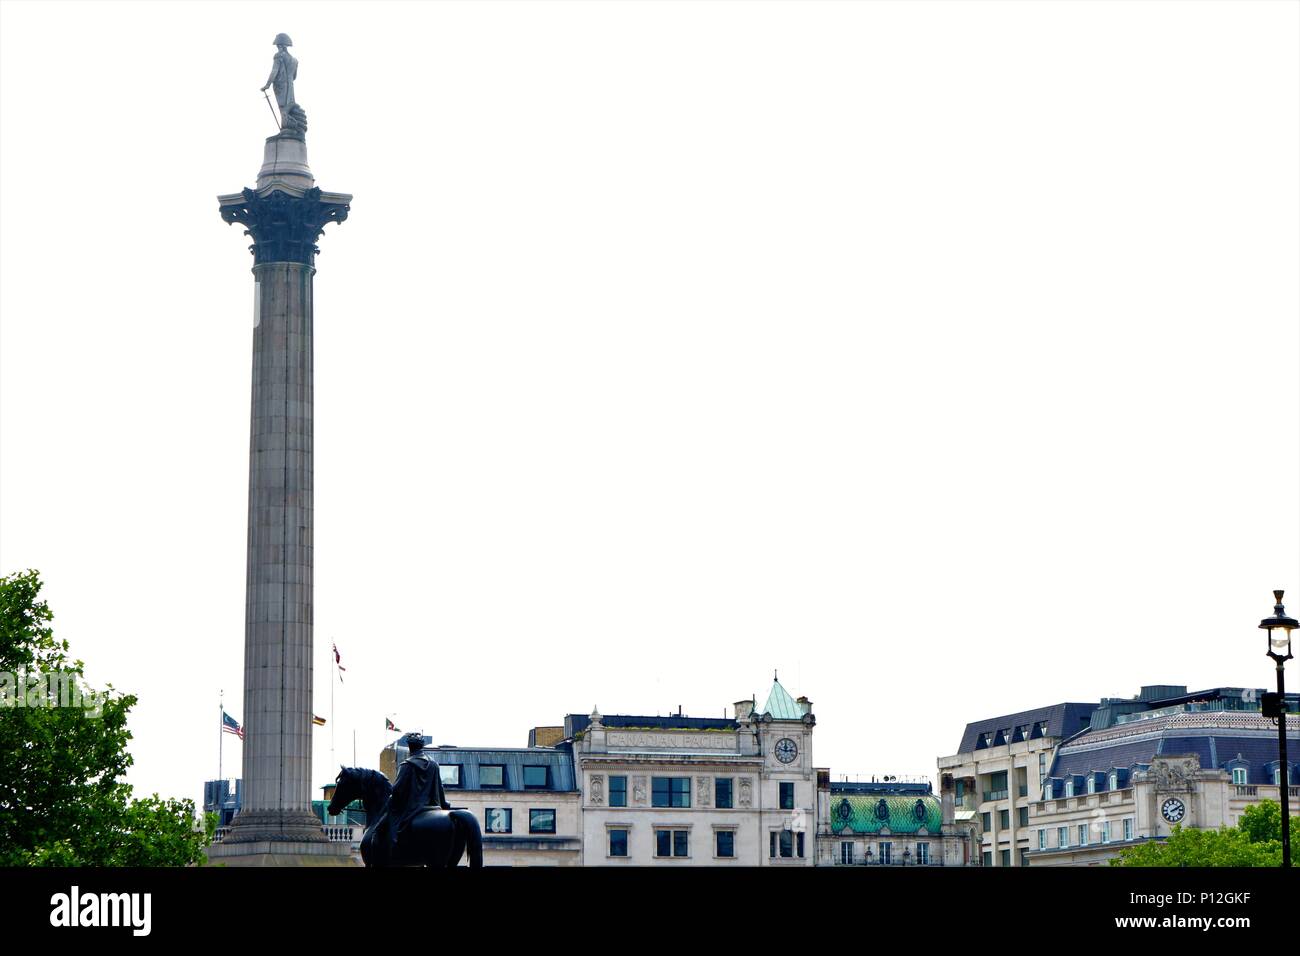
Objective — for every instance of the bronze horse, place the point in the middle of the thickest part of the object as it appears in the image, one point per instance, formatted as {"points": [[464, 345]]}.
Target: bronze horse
{"points": [[434, 837]]}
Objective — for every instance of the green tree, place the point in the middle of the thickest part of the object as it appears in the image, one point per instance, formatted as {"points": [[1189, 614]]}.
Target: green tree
{"points": [[62, 799], [1256, 840]]}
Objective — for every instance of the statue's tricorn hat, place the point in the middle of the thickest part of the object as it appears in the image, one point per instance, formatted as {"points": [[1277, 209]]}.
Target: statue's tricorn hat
{"points": [[282, 39]]}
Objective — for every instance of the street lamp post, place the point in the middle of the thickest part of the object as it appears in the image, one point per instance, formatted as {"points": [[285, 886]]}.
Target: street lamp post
{"points": [[1279, 628]]}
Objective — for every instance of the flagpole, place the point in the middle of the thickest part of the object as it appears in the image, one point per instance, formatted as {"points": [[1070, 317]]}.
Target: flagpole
{"points": [[221, 732], [334, 671]]}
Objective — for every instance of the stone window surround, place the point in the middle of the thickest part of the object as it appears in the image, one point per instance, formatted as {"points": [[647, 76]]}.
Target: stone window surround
{"points": [[671, 827], [731, 828], [626, 828]]}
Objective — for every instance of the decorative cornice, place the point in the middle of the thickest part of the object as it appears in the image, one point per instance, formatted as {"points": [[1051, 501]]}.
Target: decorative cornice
{"points": [[284, 227]]}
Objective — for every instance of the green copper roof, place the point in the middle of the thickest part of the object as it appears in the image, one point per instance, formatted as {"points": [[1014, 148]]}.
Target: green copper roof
{"points": [[862, 813], [780, 704]]}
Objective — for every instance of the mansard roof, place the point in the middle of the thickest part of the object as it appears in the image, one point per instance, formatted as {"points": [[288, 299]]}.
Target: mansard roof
{"points": [[1214, 737], [471, 760], [1061, 720], [862, 813]]}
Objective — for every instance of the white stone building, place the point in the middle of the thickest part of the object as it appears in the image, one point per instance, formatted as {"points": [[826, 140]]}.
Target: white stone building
{"points": [[691, 791]]}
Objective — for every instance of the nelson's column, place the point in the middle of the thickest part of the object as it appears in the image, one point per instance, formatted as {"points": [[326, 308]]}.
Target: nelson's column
{"points": [[284, 216]]}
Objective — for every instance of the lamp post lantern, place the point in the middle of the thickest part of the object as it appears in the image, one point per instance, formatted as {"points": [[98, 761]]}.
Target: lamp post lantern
{"points": [[1279, 628]]}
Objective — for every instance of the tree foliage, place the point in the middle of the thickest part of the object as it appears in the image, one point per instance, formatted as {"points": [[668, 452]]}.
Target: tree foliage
{"points": [[62, 798], [1256, 840]]}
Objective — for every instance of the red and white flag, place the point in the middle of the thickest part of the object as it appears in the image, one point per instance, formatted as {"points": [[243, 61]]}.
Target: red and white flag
{"points": [[337, 662]]}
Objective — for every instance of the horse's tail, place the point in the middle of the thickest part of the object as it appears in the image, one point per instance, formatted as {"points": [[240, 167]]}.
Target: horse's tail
{"points": [[471, 836]]}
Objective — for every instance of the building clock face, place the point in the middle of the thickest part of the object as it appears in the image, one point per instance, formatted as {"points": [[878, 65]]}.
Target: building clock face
{"points": [[786, 750], [1173, 810]]}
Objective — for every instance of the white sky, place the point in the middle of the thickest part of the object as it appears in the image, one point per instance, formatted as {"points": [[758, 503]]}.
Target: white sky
{"points": [[942, 356]]}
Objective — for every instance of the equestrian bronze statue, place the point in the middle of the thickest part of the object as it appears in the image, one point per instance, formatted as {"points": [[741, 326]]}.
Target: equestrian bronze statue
{"points": [[409, 823]]}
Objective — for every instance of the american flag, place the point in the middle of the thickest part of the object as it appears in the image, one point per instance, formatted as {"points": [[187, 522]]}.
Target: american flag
{"points": [[231, 726]]}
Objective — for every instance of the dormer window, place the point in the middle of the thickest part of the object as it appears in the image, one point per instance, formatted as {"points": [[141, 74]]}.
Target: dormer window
{"points": [[1239, 776], [1069, 787], [1277, 776], [1092, 784], [1113, 783]]}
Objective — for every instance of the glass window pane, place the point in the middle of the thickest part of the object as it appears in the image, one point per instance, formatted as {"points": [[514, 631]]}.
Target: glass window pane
{"points": [[681, 846], [663, 842], [618, 843], [541, 821], [535, 777], [497, 820], [491, 776], [618, 791]]}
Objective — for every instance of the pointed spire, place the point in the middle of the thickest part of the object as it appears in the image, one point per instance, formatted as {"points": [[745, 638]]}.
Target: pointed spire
{"points": [[780, 705]]}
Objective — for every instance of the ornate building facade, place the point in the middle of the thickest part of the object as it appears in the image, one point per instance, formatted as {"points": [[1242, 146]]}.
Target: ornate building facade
{"points": [[692, 791], [1135, 781]]}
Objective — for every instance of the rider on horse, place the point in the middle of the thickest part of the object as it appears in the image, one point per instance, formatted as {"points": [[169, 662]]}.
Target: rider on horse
{"points": [[419, 785]]}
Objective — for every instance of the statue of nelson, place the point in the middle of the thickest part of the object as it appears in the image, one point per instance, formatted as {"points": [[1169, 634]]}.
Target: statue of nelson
{"points": [[284, 70]]}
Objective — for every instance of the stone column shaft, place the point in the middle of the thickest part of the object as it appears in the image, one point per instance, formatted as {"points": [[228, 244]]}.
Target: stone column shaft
{"points": [[278, 621]]}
